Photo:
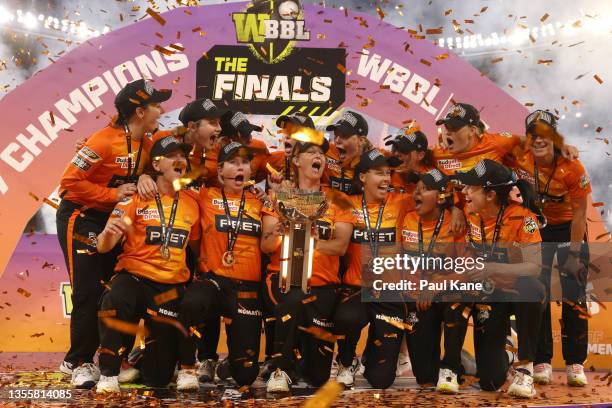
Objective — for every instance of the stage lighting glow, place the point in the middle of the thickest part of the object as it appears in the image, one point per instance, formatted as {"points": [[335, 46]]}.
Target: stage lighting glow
{"points": [[29, 21]]}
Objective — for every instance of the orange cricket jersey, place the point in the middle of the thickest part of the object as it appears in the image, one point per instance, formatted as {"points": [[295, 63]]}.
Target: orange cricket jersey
{"points": [[338, 177], [324, 267], [491, 146], [92, 177], [410, 232], [569, 181], [518, 225], [215, 231], [359, 250], [141, 246]]}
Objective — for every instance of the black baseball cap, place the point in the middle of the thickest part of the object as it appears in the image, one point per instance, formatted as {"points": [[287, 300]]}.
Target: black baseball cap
{"points": [[350, 123], [405, 143], [139, 94], [200, 109], [540, 116], [460, 115], [374, 158], [232, 149], [298, 118], [236, 123], [434, 179], [488, 174], [167, 145]]}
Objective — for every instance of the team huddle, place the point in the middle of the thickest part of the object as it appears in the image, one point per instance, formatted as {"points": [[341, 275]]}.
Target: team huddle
{"points": [[172, 228]]}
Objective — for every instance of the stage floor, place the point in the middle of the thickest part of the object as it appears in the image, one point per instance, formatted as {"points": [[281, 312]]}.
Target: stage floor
{"points": [[39, 370]]}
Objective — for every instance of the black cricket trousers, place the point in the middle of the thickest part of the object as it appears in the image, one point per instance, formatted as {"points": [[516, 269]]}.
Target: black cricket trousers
{"points": [[129, 299], [77, 230]]}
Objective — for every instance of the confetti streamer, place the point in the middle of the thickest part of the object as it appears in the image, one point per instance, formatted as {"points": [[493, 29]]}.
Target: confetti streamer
{"points": [[156, 16]]}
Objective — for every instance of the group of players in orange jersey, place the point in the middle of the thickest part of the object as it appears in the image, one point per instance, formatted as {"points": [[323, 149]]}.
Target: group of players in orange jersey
{"points": [[169, 228]]}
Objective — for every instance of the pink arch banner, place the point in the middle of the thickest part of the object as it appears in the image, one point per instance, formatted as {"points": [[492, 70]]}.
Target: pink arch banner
{"points": [[320, 60]]}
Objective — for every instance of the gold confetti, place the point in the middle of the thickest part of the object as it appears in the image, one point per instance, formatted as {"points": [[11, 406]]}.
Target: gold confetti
{"points": [[23, 292], [544, 17], [163, 50], [425, 62], [165, 296], [341, 68], [309, 299], [496, 60], [33, 196], [286, 317], [598, 79], [325, 396], [381, 14], [156, 16], [51, 203], [193, 330], [85, 252], [246, 295]]}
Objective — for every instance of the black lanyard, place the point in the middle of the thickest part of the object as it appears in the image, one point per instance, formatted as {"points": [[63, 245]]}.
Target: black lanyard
{"points": [[232, 233], [128, 138], [372, 235], [287, 167], [483, 234], [536, 180], [434, 236], [166, 229]]}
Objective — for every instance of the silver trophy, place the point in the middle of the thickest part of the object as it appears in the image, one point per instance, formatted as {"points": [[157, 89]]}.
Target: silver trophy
{"points": [[298, 210]]}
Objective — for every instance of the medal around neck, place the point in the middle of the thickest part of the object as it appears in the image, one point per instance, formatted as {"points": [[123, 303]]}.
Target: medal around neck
{"points": [[299, 210]]}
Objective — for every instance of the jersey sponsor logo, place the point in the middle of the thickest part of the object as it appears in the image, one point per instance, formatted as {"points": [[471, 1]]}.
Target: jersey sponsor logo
{"points": [[233, 205], [341, 184], [81, 163], [475, 232], [530, 226], [410, 236], [449, 164], [332, 164], [167, 312], [123, 162], [322, 323], [584, 181], [148, 213], [178, 238], [324, 229], [244, 311], [361, 236], [505, 134], [89, 154], [248, 227], [117, 212], [525, 175]]}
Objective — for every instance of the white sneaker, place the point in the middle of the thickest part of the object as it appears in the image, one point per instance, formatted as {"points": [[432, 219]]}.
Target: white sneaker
{"points": [[187, 380], [542, 373], [85, 376], [66, 367], [108, 384], [128, 375], [403, 365], [447, 382], [522, 385], [206, 370], [279, 381], [346, 375], [576, 376]]}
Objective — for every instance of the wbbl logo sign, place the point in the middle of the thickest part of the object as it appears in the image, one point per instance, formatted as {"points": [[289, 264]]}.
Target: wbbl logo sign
{"points": [[271, 28]]}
